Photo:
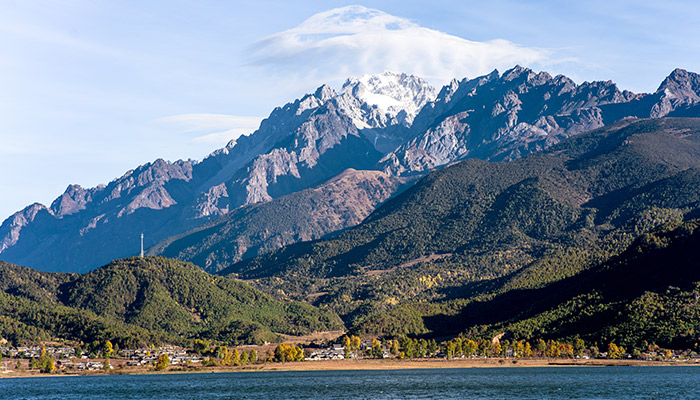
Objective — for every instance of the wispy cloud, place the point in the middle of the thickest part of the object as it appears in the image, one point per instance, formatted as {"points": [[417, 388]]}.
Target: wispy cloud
{"points": [[55, 37], [354, 40], [217, 129]]}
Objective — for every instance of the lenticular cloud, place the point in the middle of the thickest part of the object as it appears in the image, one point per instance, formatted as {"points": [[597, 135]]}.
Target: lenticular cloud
{"points": [[356, 40]]}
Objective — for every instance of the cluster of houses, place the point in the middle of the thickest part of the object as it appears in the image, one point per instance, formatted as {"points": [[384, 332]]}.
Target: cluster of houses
{"points": [[145, 356], [81, 366], [337, 352], [66, 358], [35, 352]]}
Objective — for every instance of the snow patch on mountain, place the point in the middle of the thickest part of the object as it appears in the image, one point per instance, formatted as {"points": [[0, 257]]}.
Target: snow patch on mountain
{"points": [[399, 96]]}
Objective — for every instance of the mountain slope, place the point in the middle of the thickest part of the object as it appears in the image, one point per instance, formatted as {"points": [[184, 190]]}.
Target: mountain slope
{"points": [[387, 122], [309, 214], [648, 294], [302, 144], [461, 231]]}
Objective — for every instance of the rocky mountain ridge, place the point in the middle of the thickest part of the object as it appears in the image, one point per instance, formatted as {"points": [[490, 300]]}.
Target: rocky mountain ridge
{"points": [[387, 122], [505, 116], [299, 145]]}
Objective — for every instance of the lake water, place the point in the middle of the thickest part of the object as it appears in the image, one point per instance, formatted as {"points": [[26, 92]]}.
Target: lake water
{"points": [[473, 383]]}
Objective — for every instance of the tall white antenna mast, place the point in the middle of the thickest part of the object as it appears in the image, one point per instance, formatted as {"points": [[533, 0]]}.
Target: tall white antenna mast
{"points": [[142, 245]]}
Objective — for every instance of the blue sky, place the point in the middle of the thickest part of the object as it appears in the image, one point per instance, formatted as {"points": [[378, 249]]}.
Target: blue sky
{"points": [[90, 89]]}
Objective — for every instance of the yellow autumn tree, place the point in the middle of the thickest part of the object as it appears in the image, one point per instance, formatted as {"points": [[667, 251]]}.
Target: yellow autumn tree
{"points": [[356, 342], [235, 357], [614, 351], [162, 362], [108, 349], [285, 352]]}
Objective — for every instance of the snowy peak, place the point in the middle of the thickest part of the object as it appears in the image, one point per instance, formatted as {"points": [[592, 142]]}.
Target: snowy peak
{"points": [[392, 93]]}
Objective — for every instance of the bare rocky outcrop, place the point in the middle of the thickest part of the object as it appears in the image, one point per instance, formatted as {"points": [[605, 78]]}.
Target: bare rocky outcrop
{"points": [[11, 227], [678, 90]]}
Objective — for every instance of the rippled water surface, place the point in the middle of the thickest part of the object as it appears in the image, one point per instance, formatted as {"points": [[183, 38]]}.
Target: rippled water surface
{"points": [[473, 383]]}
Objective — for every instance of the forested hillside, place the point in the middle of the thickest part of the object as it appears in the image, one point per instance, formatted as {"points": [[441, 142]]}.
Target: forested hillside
{"points": [[476, 229], [147, 300]]}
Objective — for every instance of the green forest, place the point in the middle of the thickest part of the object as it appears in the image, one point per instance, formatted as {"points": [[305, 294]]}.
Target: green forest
{"points": [[138, 301]]}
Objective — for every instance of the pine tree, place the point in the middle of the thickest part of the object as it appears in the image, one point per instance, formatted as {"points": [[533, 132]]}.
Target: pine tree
{"points": [[432, 347], [579, 347], [541, 347], [201, 346]]}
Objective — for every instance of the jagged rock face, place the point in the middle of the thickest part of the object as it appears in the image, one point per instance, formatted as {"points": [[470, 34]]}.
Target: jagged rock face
{"points": [[213, 202], [395, 118], [341, 202], [71, 201], [85, 227], [305, 154], [299, 145], [680, 89], [503, 117], [11, 228]]}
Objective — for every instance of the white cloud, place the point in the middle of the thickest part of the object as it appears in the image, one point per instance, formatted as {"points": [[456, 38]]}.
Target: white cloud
{"points": [[354, 40], [55, 37], [217, 129]]}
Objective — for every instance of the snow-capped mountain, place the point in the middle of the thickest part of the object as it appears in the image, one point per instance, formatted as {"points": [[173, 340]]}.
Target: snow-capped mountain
{"points": [[301, 144], [398, 96], [506, 116], [391, 122]]}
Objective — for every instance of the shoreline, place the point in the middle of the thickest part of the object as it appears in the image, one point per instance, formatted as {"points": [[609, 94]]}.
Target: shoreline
{"points": [[365, 364]]}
